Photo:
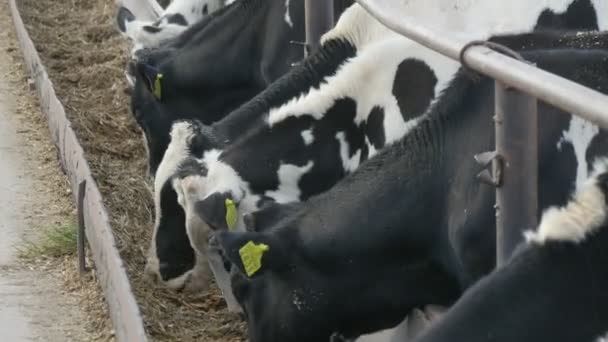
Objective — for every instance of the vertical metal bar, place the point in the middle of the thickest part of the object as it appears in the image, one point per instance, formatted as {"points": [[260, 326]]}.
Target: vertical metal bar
{"points": [[319, 19], [517, 146], [82, 267]]}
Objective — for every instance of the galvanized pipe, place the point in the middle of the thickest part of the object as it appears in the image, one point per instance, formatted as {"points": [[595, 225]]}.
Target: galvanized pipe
{"points": [[516, 124], [558, 91], [319, 19]]}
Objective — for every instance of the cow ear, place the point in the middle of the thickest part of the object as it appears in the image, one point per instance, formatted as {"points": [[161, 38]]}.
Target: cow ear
{"points": [[252, 253], [124, 16], [152, 78], [218, 211]]}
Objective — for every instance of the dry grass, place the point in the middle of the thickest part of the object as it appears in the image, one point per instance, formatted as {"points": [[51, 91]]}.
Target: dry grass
{"points": [[85, 58]]}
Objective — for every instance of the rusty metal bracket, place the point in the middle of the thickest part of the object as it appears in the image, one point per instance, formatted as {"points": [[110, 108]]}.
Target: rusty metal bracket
{"points": [[82, 266], [491, 159]]}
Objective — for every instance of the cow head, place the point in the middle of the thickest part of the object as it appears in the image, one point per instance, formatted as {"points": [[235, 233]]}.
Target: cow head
{"points": [[292, 290], [171, 259]]}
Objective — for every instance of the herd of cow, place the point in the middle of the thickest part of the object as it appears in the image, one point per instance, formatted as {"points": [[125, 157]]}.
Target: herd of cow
{"points": [[334, 194]]}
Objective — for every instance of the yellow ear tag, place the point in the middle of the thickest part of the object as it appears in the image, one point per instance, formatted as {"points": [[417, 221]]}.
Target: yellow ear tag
{"points": [[251, 256], [157, 86], [231, 214]]}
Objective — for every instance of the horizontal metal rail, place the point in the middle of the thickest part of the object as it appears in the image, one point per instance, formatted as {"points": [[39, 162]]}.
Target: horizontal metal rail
{"points": [[552, 89]]}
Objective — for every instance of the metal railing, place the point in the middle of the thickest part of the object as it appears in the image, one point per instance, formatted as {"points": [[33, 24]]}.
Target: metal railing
{"points": [[319, 18], [518, 85]]}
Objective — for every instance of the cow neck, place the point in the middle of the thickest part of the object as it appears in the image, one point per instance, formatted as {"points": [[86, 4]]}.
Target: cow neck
{"points": [[397, 192], [304, 76], [393, 193]]}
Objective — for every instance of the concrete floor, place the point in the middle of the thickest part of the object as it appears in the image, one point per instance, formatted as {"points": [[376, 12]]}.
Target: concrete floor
{"points": [[34, 305]]}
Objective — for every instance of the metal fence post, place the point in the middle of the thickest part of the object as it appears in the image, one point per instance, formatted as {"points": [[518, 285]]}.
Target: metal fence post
{"points": [[319, 19], [517, 146]]}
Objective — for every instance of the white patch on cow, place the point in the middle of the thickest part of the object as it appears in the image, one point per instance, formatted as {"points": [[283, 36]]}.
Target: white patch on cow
{"points": [[308, 137], [581, 216], [360, 79], [481, 17], [350, 164], [287, 15], [579, 135], [289, 177], [177, 151]]}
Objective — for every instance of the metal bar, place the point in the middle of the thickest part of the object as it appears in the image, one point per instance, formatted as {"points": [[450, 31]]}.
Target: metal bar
{"points": [[557, 91], [516, 124], [319, 19], [82, 267], [126, 318]]}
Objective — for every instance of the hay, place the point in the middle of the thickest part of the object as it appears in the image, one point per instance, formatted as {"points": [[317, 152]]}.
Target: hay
{"points": [[85, 58]]}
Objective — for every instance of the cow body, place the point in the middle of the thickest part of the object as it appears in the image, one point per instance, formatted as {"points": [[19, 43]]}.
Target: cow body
{"points": [[552, 289], [410, 227], [291, 149]]}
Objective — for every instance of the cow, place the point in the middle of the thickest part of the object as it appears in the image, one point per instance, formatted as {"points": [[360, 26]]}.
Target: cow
{"points": [[214, 66], [411, 226], [554, 286], [272, 151], [176, 18]]}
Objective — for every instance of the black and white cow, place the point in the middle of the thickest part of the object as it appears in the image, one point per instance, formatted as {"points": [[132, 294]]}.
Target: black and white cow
{"points": [[302, 145], [176, 18], [554, 286], [411, 226], [215, 66]]}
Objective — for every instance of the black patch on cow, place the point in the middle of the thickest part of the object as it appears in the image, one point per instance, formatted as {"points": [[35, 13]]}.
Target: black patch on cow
{"points": [[328, 168], [375, 127], [203, 139], [177, 19], [364, 153], [123, 17], [598, 147], [173, 249], [205, 9], [152, 29], [190, 167], [579, 15], [414, 87]]}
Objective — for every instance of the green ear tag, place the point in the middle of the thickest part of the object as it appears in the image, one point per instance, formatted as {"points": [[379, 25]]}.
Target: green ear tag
{"points": [[157, 86], [231, 214], [251, 256]]}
